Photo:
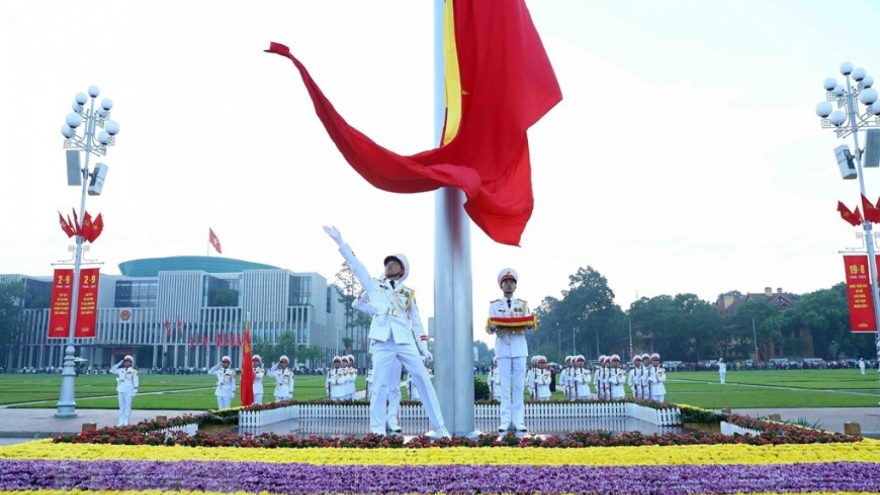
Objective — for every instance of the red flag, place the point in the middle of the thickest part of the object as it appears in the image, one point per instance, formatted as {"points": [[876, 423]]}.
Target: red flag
{"points": [[499, 82], [191, 343], [65, 226], [247, 369], [238, 338], [846, 214], [168, 328], [214, 241], [179, 327], [218, 340], [87, 227], [76, 227], [871, 213], [858, 216], [205, 340], [97, 227]]}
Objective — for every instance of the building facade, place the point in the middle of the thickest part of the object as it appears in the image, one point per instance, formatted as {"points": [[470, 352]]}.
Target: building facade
{"points": [[188, 312]]}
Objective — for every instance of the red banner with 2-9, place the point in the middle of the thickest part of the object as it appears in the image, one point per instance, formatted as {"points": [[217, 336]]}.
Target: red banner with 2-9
{"points": [[87, 303], [858, 291]]}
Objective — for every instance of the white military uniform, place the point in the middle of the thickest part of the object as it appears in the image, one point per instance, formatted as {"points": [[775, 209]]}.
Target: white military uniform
{"points": [[722, 369], [634, 379], [494, 380], [618, 378], [225, 390], [259, 373], [336, 381], [581, 378], [862, 365], [396, 333], [392, 419], [283, 381], [658, 380], [126, 388], [542, 381], [511, 351]]}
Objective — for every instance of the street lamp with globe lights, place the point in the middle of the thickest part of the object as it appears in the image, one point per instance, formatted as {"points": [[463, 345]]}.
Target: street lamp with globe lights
{"points": [[847, 120], [92, 141]]}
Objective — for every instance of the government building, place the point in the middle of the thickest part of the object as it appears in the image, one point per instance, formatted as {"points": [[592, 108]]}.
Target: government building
{"points": [[188, 312]]}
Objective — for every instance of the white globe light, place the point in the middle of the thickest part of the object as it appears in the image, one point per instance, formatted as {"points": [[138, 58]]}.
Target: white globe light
{"points": [[106, 103], [76, 107], [94, 91], [846, 68], [830, 84], [868, 96], [73, 120], [838, 90], [103, 137], [859, 74], [837, 117], [867, 82], [823, 109], [875, 109], [67, 131], [112, 127], [81, 98]]}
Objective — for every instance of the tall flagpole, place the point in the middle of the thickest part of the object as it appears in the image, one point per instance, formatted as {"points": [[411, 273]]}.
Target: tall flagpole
{"points": [[453, 293]]}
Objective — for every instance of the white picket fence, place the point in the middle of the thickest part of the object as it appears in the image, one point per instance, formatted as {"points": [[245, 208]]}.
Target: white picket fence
{"points": [[189, 428], [534, 410], [730, 429]]}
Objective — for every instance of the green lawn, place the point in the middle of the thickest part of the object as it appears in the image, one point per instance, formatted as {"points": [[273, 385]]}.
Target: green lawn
{"points": [[744, 389]]}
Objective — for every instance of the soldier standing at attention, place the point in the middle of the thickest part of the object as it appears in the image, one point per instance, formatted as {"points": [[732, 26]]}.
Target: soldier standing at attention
{"points": [[509, 319]]}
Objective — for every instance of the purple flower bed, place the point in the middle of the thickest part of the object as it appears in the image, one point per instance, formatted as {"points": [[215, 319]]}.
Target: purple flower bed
{"points": [[449, 479]]}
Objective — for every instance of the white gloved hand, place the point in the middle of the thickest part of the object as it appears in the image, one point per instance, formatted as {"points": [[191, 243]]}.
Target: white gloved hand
{"points": [[427, 356], [334, 234]]}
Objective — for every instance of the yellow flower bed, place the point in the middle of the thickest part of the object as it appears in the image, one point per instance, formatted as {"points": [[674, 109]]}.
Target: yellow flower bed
{"points": [[865, 451]]}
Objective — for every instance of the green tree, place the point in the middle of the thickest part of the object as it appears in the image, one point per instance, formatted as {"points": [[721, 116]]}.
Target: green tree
{"points": [[223, 297], [12, 299], [768, 325], [484, 355]]}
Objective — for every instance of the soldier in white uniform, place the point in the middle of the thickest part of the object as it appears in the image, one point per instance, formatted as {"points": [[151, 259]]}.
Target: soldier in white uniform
{"points": [[530, 378], [494, 381], [283, 379], [352, 378], [645, 376], [722, 369], [542, 379], [396, 333], [657, 379], [336, 380], [600, 379], [581, 379], [126, 386], [509, 319], [259, 373], [634, 378], [618, 378], [225, 390], [564, 378], [862, 365]]}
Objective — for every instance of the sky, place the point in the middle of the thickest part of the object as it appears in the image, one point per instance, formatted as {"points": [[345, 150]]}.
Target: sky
{"points": [[685, 157]]}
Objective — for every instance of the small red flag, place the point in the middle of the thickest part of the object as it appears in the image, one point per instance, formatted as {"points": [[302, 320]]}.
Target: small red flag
{"points": [[168, 328], [76, 227], [247, 370], [97, 227], [65, 226], [214, 241], [871, 213], [238, 338], [846, 214], [87, 227], [179, 327], [204, 340], [858, 216], [191, 343]]}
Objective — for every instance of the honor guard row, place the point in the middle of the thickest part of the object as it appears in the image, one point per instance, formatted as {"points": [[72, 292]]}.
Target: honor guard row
{"points": [[341, 379]]}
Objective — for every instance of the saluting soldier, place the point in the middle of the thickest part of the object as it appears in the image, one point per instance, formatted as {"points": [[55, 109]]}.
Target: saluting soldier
{"points": [[225, 390], [396, 333], [283, 379], [126, 386], [509, 319], [259, 373]]}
